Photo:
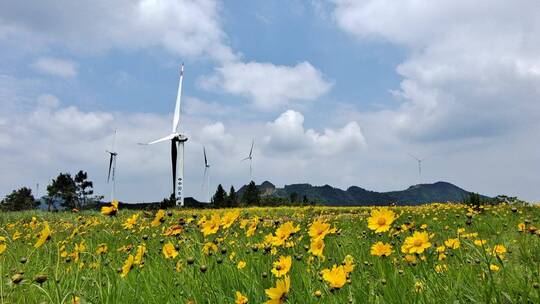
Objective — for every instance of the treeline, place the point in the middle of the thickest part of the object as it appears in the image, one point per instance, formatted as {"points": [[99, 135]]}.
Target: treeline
{"points": [[65, 191], [251, 196]]}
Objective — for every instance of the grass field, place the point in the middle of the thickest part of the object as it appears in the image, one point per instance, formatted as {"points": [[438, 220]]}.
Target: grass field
{"points": [[431, 254]]}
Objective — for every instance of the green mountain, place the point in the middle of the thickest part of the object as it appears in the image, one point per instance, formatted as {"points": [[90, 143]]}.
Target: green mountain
{"points": [[356, 196]]}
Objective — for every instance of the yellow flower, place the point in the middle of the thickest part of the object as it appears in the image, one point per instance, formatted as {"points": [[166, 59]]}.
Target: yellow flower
{"points": [[409, 258], [348, 264], [2, 247], [282, 266], [493, 267], [521, 227], [141, 250], [240, 298], [209, 247], [128, 264], [335, 277], [229, 218], [75, 300], [102, 249], [381, 219], [131, 221], [278, 294], [211, 226], [316, 248], [381, 249], [499, 250], [169, 251], [283, 233], [44, 235], [441, 268], [241, 265], [158, 219], [110, 210], [416, 243], [16, 235], [252, 227], [480, 242], [452, 243], [319, 229]]}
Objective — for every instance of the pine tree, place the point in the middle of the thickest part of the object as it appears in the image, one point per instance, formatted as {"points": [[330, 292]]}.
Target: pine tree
{"points": [[305, 201], [251, 195], [63, 188], [233, 199], [220, 198], [21, 199], [84, 188]]}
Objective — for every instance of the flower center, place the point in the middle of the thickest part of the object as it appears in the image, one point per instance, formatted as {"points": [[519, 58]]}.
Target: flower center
{"points": [[418, 242], [381, 221]]}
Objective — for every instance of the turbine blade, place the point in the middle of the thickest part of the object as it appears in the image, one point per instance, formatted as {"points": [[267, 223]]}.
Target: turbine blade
{"points": [[110, 166], [168, 137], [176, 119], [251, 150], [205, 159], [414, 156]]}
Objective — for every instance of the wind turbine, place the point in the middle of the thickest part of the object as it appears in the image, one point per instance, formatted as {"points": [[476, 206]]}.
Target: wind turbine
{"points": [[419, 160], [250, 157], [112, 167], [177, 145], [206, 176]]}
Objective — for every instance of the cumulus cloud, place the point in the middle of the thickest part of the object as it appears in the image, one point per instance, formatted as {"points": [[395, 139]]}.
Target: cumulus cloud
{"points": [[471, 68], [56, 67], [287, 134], [270, 85], [187, 28]]}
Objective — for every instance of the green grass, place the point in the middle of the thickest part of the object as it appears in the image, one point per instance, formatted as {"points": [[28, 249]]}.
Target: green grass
{"points": [[468, 278]]}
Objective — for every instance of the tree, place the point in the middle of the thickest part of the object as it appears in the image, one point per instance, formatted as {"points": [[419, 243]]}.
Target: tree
{"points": [[251, 195], [63, 188], [21, 199], [84, 188], [293, 197], [220, 198], [305, 200], [168, 202], [232, 200]]}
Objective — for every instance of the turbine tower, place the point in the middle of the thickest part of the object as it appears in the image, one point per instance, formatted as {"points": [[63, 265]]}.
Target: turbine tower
{"points": [[112, 167], [177, 147], [250, 157], [206, 176]]}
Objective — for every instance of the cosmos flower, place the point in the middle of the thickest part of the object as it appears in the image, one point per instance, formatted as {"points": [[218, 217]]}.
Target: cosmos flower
{"points": [[282, 266], [252, 227], [381, 220], [240, 298], [141, 251], [210, 248], [452, 243], [44, 235], [319, 229], [348, 264], [169, 251], [3, 245], [229, 218], [110, 210], [416, 243], [316, 248], [381, 249], [278, 294], [131, 221], [128, 264], [499, 251], [335, 277], [241, 265], [494, 267], [102, 249], [158, 218], [211, 226]]}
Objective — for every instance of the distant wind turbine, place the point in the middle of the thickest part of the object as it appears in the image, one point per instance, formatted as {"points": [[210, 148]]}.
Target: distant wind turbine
{"points": [[250, 158], [419, 160], [112, 167], [177, 145], [206, 176]]}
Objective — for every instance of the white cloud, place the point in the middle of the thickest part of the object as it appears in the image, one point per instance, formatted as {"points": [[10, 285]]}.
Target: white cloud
{"points": [[56, 67], [471, 69], [268, 85], [187, 28], [287, 134]]}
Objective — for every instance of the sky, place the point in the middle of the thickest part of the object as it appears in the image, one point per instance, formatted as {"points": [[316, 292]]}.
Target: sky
{"points": [[333, 92]]}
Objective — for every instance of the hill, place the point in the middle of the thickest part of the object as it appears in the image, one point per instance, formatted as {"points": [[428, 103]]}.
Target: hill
{"points": [[356, 196]]}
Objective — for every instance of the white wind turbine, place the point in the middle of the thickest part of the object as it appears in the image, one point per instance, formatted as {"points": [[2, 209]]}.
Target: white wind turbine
{"points": [[177, 146], [250, 157], [112, 167], [419, 160]]}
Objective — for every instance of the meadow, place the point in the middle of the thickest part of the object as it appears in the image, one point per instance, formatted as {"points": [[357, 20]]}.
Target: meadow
{"points": [[437, 253]]}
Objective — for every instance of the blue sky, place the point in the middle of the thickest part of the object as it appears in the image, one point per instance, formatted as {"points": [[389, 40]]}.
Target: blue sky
{"points": [[335, 92]]}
